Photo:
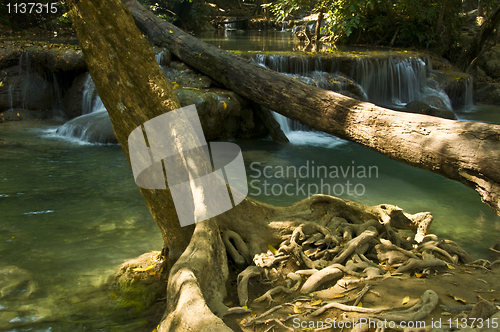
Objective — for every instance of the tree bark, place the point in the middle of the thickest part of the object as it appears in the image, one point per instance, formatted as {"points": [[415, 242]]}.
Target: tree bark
{"points": [[319, 21], [463, 151], [118, 56]]}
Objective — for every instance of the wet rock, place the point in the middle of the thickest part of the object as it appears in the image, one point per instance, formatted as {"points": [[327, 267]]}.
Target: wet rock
{"points": [[453, 83], [16, 115], [490, 62], [488, 93], [16, 283], [182, 75], [435, 102], [223, 114], [24, 89], [483, 310], [423, 108], [74, 97], [335, 82]]}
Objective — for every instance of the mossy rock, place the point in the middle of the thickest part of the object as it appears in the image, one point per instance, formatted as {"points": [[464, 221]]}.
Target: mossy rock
{"points": [[420, 107]]}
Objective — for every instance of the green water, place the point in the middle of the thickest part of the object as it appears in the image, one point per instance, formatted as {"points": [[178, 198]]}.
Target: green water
{"points": [[250, 40], [458, 211], [69, 214]]}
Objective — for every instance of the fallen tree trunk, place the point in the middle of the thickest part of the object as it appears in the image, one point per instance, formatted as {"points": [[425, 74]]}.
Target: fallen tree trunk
{"points": [[463, 151]]}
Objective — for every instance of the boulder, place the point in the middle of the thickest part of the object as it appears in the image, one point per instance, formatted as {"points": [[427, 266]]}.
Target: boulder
{"points": [[420, 107], [180, 74], [74, 97], [24, 89], [488, 93], [223, 114], [483, 310], [335, 82], [490, 62]]}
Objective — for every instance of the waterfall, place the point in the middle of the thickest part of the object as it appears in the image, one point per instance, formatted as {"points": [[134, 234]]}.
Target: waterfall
{"points": [[25, 62], [392, 81], [91, 102], [469, 89], [288, 125], [11, 97], [284, 64], [230, 26], [94, 125]]}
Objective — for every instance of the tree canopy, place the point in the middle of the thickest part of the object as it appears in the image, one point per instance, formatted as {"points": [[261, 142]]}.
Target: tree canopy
{"points": [[425, 23]]}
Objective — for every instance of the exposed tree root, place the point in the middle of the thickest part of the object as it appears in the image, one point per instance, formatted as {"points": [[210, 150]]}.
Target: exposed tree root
{"points": [[418, 311], [240, 254], [414, 264], [320, 277], [321, 239], [243, 279]]}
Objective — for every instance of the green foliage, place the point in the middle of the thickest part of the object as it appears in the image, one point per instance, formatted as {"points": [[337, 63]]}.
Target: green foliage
{"points": [[162, 8], [422, 23], [285, 9], [345, 16]]}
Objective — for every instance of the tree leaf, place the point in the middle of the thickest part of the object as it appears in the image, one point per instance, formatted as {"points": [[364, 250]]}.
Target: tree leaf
{"points": [[317, 302], [336, 296], [270, 247]]}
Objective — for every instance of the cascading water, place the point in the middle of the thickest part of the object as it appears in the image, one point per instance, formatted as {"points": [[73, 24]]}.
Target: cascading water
{"points": [[296, 132], [94, 125], [11, 97], [25, 69], [390, 81]]}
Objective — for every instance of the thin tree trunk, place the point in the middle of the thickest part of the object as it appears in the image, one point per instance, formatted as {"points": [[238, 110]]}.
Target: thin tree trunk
{"points": [[441, 16], [319, 21], [479, 41], [463, 151]]}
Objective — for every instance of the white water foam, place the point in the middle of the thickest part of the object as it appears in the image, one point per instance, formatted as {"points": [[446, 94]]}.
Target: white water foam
{"points": [[314, 138]]}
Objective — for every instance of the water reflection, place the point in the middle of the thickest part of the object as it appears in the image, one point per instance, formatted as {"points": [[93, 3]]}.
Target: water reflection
{"points": [[249, 40]]}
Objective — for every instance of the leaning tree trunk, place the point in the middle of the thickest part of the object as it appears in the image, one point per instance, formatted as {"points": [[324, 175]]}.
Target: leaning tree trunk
{"points": [[463, 151], [468, 60]]}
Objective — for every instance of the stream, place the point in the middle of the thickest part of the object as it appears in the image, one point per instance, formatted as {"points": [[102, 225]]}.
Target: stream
{"points": [[71, 212]]}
